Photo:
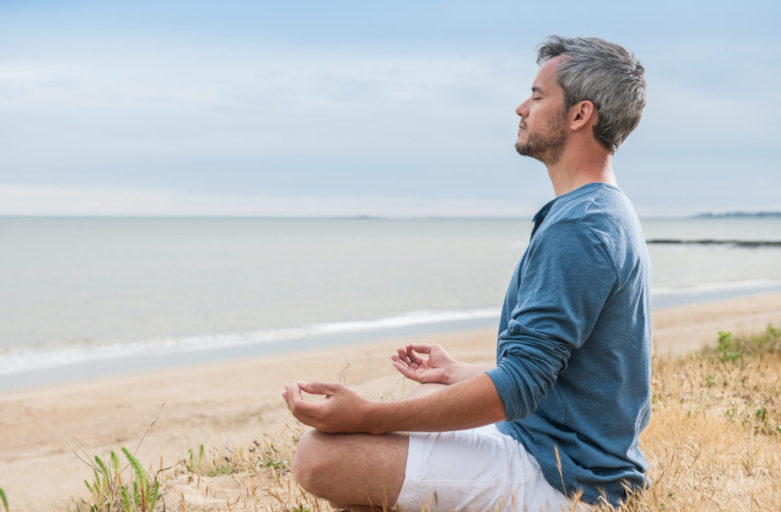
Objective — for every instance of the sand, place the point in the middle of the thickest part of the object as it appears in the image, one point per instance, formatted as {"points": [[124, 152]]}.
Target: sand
{"points": [[235, 402]]}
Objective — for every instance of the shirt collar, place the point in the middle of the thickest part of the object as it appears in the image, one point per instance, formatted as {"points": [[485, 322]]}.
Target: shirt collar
{"points": [[540, 216]]}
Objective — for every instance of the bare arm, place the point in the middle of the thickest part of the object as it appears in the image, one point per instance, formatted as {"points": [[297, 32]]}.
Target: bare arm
{"points": [[436, 367], [466, 404]]}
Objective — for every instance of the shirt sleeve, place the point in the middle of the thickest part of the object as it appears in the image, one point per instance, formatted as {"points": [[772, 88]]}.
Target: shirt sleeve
{"points": [[562, 288]]}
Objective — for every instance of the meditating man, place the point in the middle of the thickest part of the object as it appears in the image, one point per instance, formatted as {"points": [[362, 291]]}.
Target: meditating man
{"points": [[559, 415]]}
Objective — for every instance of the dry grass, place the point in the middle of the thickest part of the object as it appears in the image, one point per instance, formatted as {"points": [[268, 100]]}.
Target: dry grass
{"points": [[714, 443]]}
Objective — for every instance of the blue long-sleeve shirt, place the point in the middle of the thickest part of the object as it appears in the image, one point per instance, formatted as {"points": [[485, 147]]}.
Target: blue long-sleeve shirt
{"points": [[574, 347]]}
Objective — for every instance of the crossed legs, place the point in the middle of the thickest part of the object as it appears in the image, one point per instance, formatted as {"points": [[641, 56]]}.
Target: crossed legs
{"points": [[355, 470], [352, 469]]}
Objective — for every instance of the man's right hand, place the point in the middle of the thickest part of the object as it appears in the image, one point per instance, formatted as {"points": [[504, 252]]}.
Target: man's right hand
{"points": [[438, 367]]}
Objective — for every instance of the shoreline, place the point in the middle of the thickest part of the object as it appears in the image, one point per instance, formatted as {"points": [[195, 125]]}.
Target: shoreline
{"points": [[358, 333], [234, 402]]}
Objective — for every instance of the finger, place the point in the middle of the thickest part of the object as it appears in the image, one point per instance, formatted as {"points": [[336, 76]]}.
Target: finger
{"points": [[403, 355], [402, 367], [306, 412], [320, 388], [403, 360], [397, 362], [404, 370], [302, 410], [397, 357], [414, 358], [291, 395], [423, 349]]}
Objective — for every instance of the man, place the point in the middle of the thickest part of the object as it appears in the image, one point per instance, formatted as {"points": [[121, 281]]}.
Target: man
{"points": [[570, 393]]}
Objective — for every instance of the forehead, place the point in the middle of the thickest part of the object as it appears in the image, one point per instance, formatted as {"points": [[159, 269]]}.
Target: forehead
{"points": [[546, 75]]}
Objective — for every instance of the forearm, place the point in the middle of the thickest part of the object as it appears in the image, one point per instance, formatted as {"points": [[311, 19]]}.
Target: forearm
{"points": [[466, 404], [459, 372]]}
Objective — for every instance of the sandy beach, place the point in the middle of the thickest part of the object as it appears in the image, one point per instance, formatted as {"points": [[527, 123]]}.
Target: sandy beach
{"points": [[234, 403]]}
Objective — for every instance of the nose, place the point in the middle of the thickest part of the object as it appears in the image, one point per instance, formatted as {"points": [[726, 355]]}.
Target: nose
{"points": [[523, 109]]}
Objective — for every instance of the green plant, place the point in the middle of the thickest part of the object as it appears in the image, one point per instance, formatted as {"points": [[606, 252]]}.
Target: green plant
{"points": [[3, 499], [760, 422], [279, 464], [271, 457], [728, 346], [142, 497], [222, 469], [192, 466], [109, 490], [768, 341], [235, 460]]}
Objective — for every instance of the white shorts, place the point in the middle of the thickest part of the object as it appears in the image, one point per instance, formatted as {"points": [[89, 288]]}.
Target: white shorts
{"points": [[479, 469]]}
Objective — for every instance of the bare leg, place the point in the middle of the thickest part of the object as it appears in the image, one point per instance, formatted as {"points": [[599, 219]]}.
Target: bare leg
{"points": [[352, 469], [356, 471]]}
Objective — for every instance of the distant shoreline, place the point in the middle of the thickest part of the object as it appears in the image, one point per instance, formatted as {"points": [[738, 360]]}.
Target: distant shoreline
{"points": [[364, 217], [711, 241], [738, 214]]}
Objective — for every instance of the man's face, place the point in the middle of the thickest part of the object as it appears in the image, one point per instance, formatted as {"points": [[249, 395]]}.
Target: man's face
{"points": [[542, 132]]}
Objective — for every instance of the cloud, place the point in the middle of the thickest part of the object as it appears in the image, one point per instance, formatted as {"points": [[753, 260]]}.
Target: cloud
{"points": [[359, 119], [262, 103]]}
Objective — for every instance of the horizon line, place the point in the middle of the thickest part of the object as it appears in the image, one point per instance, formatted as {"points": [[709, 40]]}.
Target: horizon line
{"points": [[702, 215]]}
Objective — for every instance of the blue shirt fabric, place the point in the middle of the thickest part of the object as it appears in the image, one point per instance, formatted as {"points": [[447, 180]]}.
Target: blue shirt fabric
{"points": [[574, 346]]}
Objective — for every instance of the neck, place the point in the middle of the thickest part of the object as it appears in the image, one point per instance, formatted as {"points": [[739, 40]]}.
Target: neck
{"points": [[572, 171]]}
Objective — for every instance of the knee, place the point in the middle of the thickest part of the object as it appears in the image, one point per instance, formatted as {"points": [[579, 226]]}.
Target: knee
{"points": [[310, 462]]}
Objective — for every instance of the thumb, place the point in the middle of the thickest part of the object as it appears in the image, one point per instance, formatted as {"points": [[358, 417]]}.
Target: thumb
{"points": [[319, 388], [422, 349]]}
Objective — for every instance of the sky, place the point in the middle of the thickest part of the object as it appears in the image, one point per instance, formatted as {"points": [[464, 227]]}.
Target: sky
{"points": [[397, 108]]}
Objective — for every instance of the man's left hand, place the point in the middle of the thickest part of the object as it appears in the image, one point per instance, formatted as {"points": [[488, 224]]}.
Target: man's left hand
{"points": [[341, 411]]}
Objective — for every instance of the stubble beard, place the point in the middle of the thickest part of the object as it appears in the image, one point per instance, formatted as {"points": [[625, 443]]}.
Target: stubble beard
{"points": [[546, 148]]}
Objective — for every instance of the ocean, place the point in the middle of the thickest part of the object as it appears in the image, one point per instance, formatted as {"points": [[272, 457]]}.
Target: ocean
{"points": [[82, 297]]}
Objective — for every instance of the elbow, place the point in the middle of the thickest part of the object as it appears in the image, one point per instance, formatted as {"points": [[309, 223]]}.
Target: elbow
{"points": [[521, 386]]}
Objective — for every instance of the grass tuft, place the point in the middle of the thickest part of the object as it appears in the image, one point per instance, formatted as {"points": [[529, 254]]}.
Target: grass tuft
{"points": [[109, 492], [733, 348]]}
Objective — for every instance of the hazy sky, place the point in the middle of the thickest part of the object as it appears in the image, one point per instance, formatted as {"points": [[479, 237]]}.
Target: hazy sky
{"points": [[379, 108]]}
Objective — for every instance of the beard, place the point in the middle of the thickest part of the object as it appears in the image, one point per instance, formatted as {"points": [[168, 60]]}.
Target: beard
{"points": [[548, 147]]}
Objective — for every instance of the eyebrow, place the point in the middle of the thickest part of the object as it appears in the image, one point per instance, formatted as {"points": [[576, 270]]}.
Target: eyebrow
{"points": [[537, 90]]}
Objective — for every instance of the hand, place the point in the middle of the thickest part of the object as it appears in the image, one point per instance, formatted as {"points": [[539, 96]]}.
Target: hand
{"points": [[341, 411], [437, 367]]}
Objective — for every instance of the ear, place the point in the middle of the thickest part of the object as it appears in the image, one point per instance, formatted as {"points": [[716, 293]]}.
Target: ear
{"points": [[582, 114]]}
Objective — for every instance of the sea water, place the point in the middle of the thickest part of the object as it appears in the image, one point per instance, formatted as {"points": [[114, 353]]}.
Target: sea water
{"points": [[87, 296]]}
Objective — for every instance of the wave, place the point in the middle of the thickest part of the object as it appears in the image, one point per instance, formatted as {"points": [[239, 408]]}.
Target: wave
{"points": [[14, 360], [23, 359], [750, 284]]}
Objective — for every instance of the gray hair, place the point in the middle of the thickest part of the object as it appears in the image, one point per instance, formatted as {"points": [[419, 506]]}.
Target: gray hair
{"points": [[604, 73]]}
